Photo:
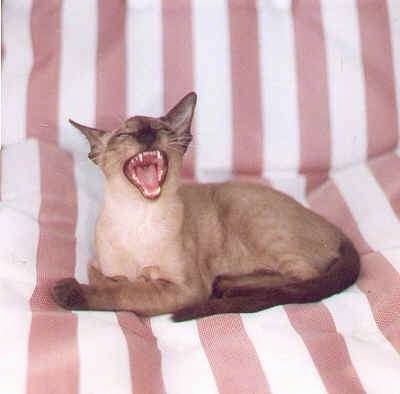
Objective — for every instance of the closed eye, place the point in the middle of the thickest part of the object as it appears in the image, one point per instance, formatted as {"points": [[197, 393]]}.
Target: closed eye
{"points": [[120, 136], [123, 135]]}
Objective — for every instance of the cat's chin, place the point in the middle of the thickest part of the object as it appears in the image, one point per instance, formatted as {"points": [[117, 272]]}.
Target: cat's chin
{"points": [[147, 171]]}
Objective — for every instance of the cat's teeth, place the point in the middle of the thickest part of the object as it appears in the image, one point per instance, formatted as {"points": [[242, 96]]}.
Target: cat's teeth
{"points": [[141, 156], [153, 193], [135, 177], [158, 155]]}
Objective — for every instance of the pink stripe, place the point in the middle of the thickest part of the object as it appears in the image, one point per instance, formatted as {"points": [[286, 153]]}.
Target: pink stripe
{"points": [[178, 63], [53, 349], [53, 362], [229, 350], [111, 64], [386, 170], [219, 337], [144, 355], [381, 277], [43, 83], [328, 202], [315, 180], [312, 89], [247, 121], [379, 76], [378, 279], [381, 284], [326, 346]]}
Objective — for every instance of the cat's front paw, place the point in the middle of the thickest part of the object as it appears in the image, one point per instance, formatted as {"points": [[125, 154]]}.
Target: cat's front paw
{"points": [[69, 294]]}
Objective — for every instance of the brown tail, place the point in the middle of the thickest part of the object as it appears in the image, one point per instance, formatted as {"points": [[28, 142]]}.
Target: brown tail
{"points": [[342, 272]]}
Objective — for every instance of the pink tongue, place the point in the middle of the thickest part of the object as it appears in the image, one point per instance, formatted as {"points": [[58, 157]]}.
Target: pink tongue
{"points": [[148, 176]]}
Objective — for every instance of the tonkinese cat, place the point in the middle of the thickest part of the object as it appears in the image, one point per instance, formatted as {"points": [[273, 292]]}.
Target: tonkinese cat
{"points": [[197, 249]]}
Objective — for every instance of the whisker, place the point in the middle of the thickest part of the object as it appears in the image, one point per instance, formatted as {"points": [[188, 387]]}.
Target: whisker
{"points": [[182, 145], [186, 139], [176, 149], [181, 140]]}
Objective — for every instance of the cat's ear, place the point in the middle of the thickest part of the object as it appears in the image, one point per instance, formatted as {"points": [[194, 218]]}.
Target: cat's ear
{"points": [[95, 137], [180, 117]]}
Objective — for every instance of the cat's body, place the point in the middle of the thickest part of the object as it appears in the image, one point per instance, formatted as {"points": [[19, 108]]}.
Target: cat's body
{"points": [[195, 250], [134, 233]]}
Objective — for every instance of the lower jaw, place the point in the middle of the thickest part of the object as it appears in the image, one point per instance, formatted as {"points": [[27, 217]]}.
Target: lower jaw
{"points": [[153, 195], [148, 195]]}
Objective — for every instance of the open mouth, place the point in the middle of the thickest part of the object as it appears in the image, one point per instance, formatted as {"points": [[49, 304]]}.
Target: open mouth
{"points": [[147, 171]]}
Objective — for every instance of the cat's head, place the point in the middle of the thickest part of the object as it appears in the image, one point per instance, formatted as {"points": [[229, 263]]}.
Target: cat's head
{"points": [[145, 151]]}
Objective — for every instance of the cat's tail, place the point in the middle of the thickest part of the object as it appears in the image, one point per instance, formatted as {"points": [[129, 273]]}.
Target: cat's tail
{"points": [[340, 274]]}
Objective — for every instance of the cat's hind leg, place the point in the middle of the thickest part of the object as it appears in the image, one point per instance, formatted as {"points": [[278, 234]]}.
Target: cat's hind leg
{"points": [[261, 279], [227, 285], [339, 273]]}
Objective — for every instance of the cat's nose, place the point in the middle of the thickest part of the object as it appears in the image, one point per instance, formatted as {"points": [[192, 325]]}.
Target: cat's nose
{"points": [[146, 137]]}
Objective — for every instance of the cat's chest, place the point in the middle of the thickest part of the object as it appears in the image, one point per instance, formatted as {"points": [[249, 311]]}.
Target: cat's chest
{"points": [[127, 240]]}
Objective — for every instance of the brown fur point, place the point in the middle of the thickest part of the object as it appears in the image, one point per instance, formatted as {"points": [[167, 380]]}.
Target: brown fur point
{"points": [[340, 274], [69, 294]]}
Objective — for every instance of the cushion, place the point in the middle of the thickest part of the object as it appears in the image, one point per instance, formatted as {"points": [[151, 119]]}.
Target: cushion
{"points": [[303, 94]]}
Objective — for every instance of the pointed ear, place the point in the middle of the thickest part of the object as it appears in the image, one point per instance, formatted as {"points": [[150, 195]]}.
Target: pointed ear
{"points": [[94, 136], [180, 117]]}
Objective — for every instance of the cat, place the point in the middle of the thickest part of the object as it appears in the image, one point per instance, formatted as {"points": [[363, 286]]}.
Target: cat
{"points": [[195, 250]]}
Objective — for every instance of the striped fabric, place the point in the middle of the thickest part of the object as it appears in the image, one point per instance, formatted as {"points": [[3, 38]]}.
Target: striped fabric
{"points": [[304, 93]]}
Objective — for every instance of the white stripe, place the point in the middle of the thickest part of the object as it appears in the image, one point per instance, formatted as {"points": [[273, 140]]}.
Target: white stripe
{"points": [[103, 368], [376, 361], [292, 184], [277, 344], [89, 186], [369, 206], [279, 88], [77, 99], [144, 58], [17, 63], [185, 367], [19, 234], [394, 21], [393, 255], [103, 354], [346, 82], [212, 76]]}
